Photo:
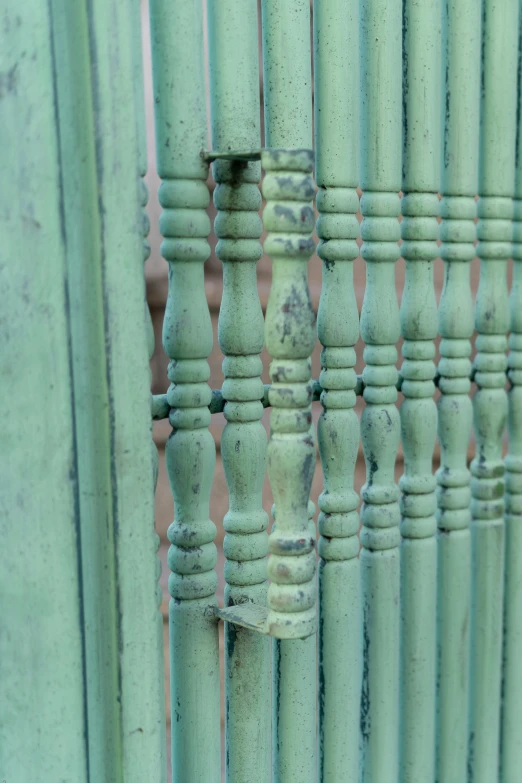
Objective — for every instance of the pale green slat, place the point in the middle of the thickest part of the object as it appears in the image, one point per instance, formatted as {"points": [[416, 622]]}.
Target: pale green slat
{"points": [[380, 425], [511, 748], [181, 135], [91, 396], [288, 110], [42, 687], [336, 72], [495, 234], [461, 73], [117, 161], [235, 105], [419, 230]]}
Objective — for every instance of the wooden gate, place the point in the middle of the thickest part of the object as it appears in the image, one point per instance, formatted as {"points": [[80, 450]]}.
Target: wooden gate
{"points": [[391, 130]]}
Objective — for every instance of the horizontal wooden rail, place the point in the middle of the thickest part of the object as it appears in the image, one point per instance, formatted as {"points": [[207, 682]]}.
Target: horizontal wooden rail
{"points": [[161, 408]]}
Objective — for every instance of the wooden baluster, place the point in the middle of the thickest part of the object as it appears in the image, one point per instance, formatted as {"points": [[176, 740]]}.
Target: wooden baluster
{"points": [[419, 229], [234, 74], [44, 641], [287, 696], [337, 150], [511, 749], [289, 220], [380, 426], [461, 51], [181, 131], [495, 232], [288, 123], [148, 319]]}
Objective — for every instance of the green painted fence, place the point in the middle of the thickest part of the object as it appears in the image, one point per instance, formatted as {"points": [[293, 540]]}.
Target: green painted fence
{"points": [[392, 653]]}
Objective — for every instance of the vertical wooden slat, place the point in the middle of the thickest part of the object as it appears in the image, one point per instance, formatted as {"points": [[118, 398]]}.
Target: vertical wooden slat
{"points": [[336, 72], [112, 40], [181, 133], [288, 123], [43, 729], [511, 747], [380, 426], [495, 233], [419, 231], [95, 692], [461, 52], [235, 102]]}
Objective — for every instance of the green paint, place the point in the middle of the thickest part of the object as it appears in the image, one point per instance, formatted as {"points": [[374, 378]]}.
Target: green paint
{"points": [[288, 123], [461, 72], [511, 750], [419, 231], [337, 157], [42, 658], [234, 89], [289, 220], [380, 425], [403, 696], [181, 132], [138, 82], [490, 406], [84, 657]]}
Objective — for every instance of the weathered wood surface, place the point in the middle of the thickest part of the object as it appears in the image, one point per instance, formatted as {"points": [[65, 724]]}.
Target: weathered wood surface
{"points": [[490, 405], [381, 79], [336, 106], [80, 670], [423, 672], [235, 111], [419, 230], [181, 133]]}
